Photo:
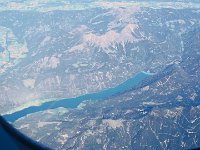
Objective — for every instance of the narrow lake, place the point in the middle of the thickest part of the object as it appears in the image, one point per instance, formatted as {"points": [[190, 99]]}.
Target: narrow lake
{"points": [[74, 102]]}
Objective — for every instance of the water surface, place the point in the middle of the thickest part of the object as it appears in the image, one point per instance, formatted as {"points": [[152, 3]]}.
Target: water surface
{"points": [[74, 102]]}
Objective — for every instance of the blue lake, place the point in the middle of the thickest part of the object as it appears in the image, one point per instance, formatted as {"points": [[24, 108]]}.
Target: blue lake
{"points": [[74, 102]]}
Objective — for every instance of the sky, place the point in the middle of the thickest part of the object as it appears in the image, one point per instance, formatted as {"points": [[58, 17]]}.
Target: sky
{"points": [[50, 5]]}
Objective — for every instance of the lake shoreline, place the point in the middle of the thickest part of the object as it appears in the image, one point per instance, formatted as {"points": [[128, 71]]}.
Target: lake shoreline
{"points": [[76, 101]]}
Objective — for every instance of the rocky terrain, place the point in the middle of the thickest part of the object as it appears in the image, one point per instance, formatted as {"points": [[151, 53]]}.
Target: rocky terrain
{"points": [[50, 54], [66, 49], [163, 112]]}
